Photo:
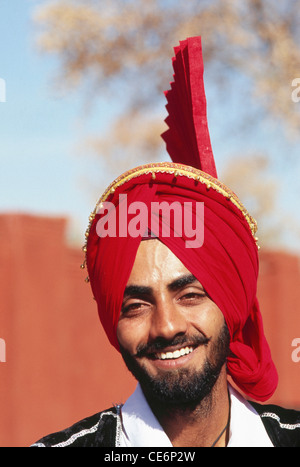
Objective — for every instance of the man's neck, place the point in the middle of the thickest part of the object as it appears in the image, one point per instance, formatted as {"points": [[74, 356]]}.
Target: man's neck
{"points": [[200, 425]]}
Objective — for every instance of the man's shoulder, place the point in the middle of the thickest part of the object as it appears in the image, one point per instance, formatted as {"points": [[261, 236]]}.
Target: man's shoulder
{"points": [[98, 430], [282, 425]]}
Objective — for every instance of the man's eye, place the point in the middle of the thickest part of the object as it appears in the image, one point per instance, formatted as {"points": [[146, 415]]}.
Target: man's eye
{"points": [[133, 308], [192, 297]]}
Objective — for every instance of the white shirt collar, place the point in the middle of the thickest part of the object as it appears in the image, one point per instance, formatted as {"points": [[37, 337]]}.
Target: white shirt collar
{"points": [[246, 426], [140, 427]]}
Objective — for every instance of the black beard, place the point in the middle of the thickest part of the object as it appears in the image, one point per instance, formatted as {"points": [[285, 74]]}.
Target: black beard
{"points": [[180, 388]]}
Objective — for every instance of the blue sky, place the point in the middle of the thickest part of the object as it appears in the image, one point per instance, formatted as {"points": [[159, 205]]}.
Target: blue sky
{"points": [[42, 170]]}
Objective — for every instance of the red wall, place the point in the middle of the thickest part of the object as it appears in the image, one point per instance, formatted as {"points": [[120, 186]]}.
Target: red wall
{"points": [[59, 365]]}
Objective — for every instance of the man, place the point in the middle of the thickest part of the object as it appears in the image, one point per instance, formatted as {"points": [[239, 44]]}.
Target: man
{"points": [[172, 259]]}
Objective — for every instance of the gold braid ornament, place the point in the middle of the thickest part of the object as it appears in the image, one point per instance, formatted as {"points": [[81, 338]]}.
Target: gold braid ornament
{"points": [[178, 170]]}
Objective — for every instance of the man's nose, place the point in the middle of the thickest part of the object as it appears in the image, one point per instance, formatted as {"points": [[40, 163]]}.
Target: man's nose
{"points": [[167, 320]]}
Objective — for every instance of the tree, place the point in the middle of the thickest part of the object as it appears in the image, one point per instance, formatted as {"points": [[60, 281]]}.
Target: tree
{"points": [[123, 48]]}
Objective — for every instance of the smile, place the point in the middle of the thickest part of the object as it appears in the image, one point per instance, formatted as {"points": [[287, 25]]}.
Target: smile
{"points": [[174, 355]]}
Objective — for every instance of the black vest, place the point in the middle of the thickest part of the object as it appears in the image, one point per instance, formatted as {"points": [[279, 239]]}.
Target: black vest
{"points": [[102, 429]]}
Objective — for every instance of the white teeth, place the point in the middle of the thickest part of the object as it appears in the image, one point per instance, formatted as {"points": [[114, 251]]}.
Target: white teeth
{"points": [[175, 354]]}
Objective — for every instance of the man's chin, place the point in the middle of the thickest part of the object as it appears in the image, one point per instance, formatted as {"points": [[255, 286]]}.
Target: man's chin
{"points": [[184, 387], [181, 386]]}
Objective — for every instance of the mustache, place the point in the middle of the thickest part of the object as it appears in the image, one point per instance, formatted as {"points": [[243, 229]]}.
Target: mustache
{"points": [[160, 344]]}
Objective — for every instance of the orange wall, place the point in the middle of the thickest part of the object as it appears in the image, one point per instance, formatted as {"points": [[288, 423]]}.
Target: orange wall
{"points": [[279, 294], [59, 365]]}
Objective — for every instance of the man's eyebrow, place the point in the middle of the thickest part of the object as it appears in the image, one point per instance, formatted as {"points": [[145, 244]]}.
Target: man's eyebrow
{"points": [[133, 290], [181, 282], [139, 290]]}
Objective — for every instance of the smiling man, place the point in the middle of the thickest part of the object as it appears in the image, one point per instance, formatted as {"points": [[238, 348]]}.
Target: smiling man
{"points": [[183, 314], [175, 341], [172, 336]]}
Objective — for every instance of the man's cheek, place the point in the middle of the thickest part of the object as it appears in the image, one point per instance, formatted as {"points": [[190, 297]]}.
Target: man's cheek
{"points": [[127, 338]]}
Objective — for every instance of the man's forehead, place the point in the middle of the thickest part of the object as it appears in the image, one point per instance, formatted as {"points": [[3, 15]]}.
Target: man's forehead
{"points": [[155, 262], [154, 252]]}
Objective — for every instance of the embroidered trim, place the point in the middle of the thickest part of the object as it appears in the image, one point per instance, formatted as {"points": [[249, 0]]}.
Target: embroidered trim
{"points": [[74, 437], [81, 433], [177, 170], [285, 426], [119, 429]]}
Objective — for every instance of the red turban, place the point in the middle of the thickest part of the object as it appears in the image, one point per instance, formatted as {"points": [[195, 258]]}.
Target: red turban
{"points": [[226, 264]]}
